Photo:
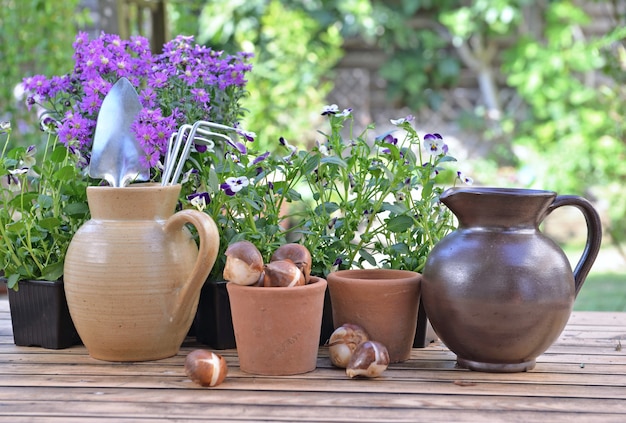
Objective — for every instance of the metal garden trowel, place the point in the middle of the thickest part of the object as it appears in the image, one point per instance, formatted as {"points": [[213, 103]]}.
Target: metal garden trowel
{"points": [[115, 154]]}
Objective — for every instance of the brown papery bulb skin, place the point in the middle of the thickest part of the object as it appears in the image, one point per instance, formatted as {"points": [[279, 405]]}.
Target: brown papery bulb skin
{"points": [[244, 263], [370, 359], [205, 368], [343, 342], [298, 254], [282, 273]]}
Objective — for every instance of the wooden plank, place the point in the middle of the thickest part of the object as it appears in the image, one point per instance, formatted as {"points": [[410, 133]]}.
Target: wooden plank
{"points": [[581, 378], [465, 400], [329, 407]]}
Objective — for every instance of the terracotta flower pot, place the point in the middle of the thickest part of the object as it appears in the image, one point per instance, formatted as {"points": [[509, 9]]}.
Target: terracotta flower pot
{"points": [[277, 330], [384, 302]]}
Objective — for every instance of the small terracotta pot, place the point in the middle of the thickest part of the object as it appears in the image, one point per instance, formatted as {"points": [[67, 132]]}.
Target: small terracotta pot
{"points": [[384, 302], [277, 330]]}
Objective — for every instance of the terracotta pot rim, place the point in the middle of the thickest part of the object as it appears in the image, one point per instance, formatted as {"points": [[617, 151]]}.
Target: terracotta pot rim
{"points": [[133, 187], [315, 284], [373, 275]]}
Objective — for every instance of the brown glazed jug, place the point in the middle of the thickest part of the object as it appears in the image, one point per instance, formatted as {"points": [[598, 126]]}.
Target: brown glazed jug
{"points": [[497, 291], [133, 272]]}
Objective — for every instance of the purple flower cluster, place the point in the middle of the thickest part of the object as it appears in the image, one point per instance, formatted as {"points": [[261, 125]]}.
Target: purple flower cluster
{"points": [[185, 83]]}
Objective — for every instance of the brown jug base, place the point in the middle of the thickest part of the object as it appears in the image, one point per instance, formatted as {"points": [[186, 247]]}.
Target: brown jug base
{"points": [[496, 367]]}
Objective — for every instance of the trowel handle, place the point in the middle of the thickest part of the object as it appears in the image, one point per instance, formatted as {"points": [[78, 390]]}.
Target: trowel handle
{"points": [[207, 251], [594, 234]]}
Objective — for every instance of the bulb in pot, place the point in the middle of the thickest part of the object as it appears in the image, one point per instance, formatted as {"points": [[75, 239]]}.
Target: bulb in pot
{"points": [[343, 342], [298, 254], [282, 273], [205, 367], [244, 263], [370, 359]]}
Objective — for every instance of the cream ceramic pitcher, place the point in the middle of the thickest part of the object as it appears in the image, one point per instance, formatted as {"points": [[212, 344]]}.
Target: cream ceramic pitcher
{"points": [[133, 272]]}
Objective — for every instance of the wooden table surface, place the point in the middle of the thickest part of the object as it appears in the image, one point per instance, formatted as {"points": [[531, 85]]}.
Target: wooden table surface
{"points": [[582, 377]]}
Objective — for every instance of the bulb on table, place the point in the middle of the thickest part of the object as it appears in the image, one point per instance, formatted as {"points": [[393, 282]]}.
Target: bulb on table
{"points": [[205, 367], [343, 342], [370, 359]]}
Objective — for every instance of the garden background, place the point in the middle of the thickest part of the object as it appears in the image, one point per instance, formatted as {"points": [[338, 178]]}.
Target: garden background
{"points": [[528, 93]]}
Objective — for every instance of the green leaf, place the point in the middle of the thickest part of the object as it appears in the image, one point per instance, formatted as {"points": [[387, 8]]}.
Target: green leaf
{"points": [[397, 208], [76, 209], [50, 223], [400, 248], [12, 281], [44, 201], [399, 223], [66, 173], [368, 257], [328, 207], [26, 199], [334, 160], [293, 195], [310, 165], [58, 155], [53, 271]]}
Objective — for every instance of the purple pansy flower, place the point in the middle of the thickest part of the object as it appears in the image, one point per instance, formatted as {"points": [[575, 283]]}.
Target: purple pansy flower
{"points": [[433, 143], [333, 109], [233, 185], [260, 158], [199, 200]]}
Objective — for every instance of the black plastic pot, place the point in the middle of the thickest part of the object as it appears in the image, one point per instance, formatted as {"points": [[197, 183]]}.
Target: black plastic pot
{"points": [[213, 324], [40, 316]]}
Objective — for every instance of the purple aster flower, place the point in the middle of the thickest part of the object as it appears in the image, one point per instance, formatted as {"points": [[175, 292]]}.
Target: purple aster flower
{"points": [[233, 185], [200, 95]]}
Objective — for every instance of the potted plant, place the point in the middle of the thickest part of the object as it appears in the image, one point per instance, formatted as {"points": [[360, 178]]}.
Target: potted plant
{"points": [[42, 204], [376, 203], [183, 84], [351, 201]]}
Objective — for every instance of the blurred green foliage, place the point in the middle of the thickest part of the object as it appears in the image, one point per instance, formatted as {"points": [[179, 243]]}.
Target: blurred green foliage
{"points": [[295, 50], [567, 135], [35, 37]]}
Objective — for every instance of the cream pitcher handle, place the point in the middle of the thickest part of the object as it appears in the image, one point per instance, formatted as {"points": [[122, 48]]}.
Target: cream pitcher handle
{"points": [[207, 251], [594, 234]]}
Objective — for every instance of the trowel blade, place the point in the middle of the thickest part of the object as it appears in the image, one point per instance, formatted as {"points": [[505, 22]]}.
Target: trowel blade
{"points": [[116, 153]]}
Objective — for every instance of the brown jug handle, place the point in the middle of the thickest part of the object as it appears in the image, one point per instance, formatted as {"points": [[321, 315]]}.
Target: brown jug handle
{"points": [[594, 234], [207, 252]]}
